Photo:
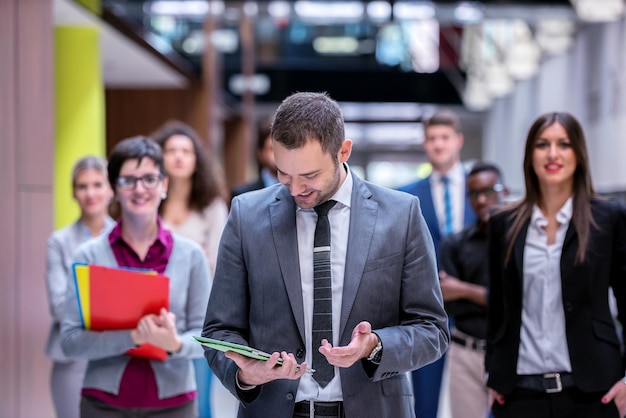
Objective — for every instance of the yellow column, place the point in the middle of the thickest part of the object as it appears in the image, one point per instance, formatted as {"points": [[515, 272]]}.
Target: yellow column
{"points": [[80, 128], [94, 6]]}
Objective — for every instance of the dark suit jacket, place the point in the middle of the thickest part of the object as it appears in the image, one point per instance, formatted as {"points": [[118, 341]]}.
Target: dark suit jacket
{"points": [[390, 280], [422, 190], [592, 340]]}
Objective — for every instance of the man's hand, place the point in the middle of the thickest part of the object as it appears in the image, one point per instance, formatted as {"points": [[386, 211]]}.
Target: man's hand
{"points": [[361, 345], [257, 372]]}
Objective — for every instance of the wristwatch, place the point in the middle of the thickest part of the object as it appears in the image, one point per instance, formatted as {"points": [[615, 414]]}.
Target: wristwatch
{"points": [[376, 353]]}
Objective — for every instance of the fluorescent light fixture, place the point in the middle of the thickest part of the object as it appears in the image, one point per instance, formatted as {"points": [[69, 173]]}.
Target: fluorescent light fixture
{"points": [[416, 10], [225, 40], [469, 12], [335, 45], [279, 9], [379, 11], [180, 8], [250, 8], [329, 11], [257, 84], [599, 10]]}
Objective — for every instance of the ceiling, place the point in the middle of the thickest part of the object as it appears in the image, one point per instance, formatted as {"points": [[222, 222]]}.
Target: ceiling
{"points": [[143, 47], [382, 101]]}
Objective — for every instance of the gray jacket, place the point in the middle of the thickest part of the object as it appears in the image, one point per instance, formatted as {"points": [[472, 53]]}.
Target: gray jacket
{"points": [[62, 245], [390, 280], [190, 285]]}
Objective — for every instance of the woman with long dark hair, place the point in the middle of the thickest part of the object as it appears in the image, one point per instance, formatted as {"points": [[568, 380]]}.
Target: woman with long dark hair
{"points": [[552, 347]]}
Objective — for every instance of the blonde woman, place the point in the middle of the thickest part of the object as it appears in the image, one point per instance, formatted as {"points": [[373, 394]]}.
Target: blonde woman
{"points": [[93, 194]]}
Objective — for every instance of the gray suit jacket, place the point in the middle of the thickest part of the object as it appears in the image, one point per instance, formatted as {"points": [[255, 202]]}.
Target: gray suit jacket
{"points": [[390, 281]]}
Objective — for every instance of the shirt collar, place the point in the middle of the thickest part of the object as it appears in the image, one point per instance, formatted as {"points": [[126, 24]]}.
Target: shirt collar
{"points": [[563, 216], [344, 194], [162, 233], [456, 175], [108, 224]]}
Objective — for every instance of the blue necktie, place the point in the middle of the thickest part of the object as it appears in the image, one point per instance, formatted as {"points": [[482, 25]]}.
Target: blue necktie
{"points": [[447, 205], [322, 295]]}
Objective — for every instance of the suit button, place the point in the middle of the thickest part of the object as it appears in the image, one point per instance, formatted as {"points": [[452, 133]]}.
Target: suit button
{"points": [[290, 396], [300, 353], [569, 307]]}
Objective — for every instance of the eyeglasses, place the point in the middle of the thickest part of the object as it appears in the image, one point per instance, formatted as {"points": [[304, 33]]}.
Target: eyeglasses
{"points": [[150, 181], [489, 192]]}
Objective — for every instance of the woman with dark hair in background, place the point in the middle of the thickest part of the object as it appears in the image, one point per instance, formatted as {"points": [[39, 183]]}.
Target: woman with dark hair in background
{"points": [[552, 347], [195, 206], [91, 190], [117, 384]]}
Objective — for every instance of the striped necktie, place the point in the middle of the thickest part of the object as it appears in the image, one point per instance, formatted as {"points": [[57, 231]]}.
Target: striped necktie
{"points": [[322, 295], [447, 205]]}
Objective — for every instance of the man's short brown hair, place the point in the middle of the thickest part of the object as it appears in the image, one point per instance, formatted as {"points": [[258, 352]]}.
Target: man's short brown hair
{"points": [[444, 117]]}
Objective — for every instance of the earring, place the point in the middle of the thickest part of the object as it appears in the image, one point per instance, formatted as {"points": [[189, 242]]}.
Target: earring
{"points": [[163, 196]]}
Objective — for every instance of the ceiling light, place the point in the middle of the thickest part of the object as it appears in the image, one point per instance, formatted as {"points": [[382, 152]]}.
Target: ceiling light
{"points": [[416, 10], [279, 9], [379, 11], [468, 12], [250, 8], [180, 8], [329, 11], [257, 84], [335, 45], [599, 10]]}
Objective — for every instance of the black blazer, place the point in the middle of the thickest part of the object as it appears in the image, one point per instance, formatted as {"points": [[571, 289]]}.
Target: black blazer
{"points": [[594, 347]]}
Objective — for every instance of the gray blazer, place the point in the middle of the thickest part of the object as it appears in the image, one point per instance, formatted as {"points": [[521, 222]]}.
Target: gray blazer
{"points": [[190, 285], [390, 281], [62, 245]]}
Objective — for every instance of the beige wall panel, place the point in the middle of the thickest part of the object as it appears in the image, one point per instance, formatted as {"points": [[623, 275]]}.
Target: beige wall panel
{"points": [[26, 138], [34, 81], [34, 220], [8, 253]]}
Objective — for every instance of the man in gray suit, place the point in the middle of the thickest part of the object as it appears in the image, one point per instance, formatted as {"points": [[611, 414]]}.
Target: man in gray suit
{"points": [[387, 309]]}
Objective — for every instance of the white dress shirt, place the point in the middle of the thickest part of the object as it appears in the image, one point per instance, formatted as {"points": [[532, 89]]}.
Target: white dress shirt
{"points": [[543, 342], [306, 219]]}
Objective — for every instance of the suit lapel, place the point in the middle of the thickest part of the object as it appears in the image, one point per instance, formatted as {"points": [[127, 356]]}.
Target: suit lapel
{"points": [[518, 254], [428, 210], [568, 254], [283, 224], [363, 212]]}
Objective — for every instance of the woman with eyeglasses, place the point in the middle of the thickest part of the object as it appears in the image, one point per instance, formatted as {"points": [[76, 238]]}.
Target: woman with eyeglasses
{"points": [[91, 190], [552, 346], [195, 208], [116, 384]]}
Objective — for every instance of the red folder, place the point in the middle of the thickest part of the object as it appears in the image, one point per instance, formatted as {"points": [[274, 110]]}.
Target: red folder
{"points": [[119, 298]]}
